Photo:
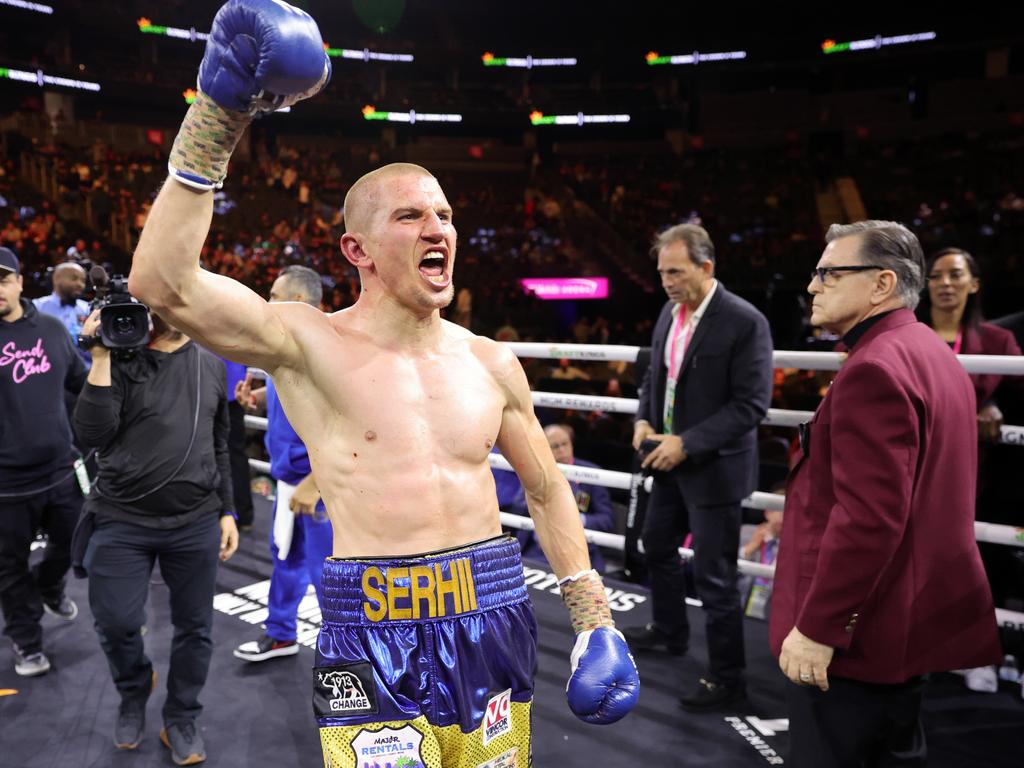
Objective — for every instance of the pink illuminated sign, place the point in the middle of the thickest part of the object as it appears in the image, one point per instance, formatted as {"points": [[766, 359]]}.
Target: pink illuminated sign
{"points": [[560, 288]]}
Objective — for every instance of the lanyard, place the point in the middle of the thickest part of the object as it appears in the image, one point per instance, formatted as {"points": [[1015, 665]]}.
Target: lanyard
{"points": [[682, 329]]}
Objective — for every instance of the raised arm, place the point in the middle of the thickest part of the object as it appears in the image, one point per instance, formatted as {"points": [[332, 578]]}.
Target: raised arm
{"points": [[217, 311], [261, 55]]}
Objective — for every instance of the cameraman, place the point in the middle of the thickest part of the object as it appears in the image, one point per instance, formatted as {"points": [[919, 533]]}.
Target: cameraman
{"points": [[160, 420], [38, 489]]}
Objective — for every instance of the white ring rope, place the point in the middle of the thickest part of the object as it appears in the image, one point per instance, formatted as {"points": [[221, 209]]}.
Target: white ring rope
{"points": [[776, 417], [617, 541], [821, 361], [1007, 365], [990, 532], [604, 477], [1004, 535], [608, 352], [256, 422]]}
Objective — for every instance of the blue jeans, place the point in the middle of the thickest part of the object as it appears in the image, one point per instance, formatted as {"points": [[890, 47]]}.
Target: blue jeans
{"points": [[312, 543]]}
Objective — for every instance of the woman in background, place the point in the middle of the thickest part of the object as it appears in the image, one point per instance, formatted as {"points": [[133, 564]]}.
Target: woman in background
{"points": [[952, 306]]}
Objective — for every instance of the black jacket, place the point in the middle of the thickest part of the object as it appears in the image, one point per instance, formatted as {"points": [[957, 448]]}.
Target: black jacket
{"points": [[143, 424], [38, 363], [723, 393]]}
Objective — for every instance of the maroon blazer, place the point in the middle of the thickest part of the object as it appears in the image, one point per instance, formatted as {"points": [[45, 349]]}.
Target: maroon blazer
{"points": [[878, 557], [988, 339]]}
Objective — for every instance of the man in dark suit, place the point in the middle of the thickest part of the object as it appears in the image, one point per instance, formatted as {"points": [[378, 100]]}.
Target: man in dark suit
{"points": [[707, 387], [878, 579]]}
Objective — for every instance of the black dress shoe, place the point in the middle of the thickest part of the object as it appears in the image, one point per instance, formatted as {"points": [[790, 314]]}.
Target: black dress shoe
{"points": [[710, 696], [650, 638]]}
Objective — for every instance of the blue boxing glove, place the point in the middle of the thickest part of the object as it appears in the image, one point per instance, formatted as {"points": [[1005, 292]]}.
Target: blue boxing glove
{"points": [[262, 55], [604, 685]]}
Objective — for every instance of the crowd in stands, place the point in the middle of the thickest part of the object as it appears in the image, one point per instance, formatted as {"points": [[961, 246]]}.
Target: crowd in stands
{"points": [[593, 216]]}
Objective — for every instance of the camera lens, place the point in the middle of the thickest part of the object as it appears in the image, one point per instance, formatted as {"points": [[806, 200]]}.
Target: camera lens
{"points": [[123, 325]]}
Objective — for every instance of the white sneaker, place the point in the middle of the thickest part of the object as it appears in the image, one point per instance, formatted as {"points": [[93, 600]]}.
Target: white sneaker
{"points": [[982, 679], [265, 648], [30, 664], [65, 608]]}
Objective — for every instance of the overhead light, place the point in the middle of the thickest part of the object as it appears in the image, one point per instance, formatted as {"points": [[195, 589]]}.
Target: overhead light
{"points": [[653, 59], [412, 116], [539, 118], [873, 43]]}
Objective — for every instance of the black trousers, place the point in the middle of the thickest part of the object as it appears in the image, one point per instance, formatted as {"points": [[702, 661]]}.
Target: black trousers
{"points": [[241, 490], [716, 541], [23, 589], [120, 560], [856, 724]]}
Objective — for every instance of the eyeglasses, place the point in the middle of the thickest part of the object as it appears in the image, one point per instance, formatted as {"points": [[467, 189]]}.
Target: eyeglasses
{"points": [[828, 276]]}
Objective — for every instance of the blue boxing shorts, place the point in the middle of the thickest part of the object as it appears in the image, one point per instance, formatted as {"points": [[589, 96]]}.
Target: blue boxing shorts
{"points": [[427, 661]]}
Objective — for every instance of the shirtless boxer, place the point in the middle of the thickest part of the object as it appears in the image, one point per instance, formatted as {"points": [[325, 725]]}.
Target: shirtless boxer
{"points": [[428, 647]]}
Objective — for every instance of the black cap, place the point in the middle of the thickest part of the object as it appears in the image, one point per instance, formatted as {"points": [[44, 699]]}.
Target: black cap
{"points": [[9, 262]]}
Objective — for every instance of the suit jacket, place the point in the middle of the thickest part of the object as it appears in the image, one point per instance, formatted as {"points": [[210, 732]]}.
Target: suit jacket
{"points": [[988, 339], [878, 557], [723, 393]]}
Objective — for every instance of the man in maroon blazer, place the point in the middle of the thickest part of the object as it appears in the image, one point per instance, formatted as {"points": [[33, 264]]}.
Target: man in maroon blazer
{"points": [[878, 580]]}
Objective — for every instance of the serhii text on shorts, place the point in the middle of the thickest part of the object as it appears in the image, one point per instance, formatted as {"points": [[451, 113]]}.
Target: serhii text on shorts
{"points": [[419, 591]]}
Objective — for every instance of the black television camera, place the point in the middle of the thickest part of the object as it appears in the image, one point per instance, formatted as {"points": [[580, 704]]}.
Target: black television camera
{"points": [[125, 323]]}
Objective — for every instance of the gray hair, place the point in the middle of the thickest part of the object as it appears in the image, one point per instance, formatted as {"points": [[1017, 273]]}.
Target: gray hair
{"points": [[698, 242], [892, 246], [305, 282]]}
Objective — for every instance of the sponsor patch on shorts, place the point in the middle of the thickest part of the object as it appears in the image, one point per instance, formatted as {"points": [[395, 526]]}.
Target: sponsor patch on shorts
{"points": [[388, 746], [508, 759], [497, 716], [344, 690]]}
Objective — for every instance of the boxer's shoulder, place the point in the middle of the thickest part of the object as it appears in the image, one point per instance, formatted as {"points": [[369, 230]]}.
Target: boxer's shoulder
{"points": [[496, 357]]}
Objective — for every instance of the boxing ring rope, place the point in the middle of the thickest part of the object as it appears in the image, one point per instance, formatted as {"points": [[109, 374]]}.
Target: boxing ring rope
{"points": [[776, 417], [998, 534], [822, 361], [1007, 365], [988, 532]]}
